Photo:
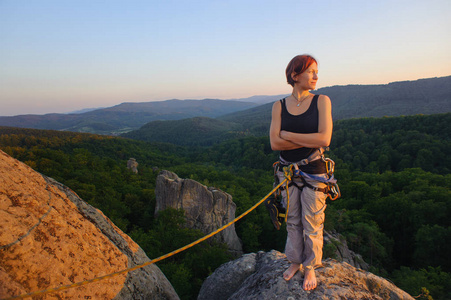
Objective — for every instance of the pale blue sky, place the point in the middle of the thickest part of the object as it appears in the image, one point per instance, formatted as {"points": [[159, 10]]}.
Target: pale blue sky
{"points": [[60, 56]]}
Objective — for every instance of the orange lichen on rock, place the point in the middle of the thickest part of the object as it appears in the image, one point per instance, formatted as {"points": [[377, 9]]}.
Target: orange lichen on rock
{"points": [[46, 242]]}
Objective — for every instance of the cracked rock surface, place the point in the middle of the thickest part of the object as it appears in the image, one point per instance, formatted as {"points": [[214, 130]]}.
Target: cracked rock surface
{"points": [[259, 276], [49, 237]]}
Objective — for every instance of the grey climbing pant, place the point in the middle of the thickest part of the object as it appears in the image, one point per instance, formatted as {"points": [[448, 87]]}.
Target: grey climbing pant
{"points": [[305, 222]]}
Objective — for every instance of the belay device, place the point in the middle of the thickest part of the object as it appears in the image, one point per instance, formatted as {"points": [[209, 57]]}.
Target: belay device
{"points": [[277, 211]]}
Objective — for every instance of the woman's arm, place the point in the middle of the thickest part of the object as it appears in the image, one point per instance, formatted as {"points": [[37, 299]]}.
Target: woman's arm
{"points": [[277, 143], [314, 140]]}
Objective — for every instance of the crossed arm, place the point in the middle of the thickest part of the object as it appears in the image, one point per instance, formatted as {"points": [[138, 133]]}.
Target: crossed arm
{"points": [[285, 140]]}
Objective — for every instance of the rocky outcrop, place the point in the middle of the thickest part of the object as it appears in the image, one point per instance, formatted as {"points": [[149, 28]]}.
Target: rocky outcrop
{"points": [[259, 276], [341, 251], [206, 208], [132, 165], [49, 237]]}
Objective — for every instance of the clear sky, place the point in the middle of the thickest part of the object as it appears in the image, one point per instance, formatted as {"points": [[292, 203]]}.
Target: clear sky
{"points": [[64, 55]]}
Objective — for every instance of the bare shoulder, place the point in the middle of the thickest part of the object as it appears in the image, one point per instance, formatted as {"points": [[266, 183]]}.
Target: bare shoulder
{"points": [[323, 98], [277, 106], [324, 101]]}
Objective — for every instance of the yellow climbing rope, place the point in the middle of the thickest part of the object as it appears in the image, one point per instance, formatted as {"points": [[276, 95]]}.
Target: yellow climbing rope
{"points": [[288, 173], [77, 284]]}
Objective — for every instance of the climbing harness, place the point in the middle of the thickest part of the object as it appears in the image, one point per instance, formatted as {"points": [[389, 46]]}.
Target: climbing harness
{"points": [[277, 211], [332, 190]]}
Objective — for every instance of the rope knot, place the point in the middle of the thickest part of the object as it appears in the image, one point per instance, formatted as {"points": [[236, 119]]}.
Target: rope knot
{"points": [[288, 172]]}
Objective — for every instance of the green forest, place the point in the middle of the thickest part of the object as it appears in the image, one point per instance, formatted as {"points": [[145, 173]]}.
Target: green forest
{"points": [[393, 172]]}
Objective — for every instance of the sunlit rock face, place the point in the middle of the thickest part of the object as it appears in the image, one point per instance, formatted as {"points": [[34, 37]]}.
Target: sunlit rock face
{"points": [[206, 208], [259, 276], [49, 237]]}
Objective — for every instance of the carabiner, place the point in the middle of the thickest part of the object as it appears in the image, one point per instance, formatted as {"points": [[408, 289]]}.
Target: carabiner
{"points": [[334, 192], [330, 165]]}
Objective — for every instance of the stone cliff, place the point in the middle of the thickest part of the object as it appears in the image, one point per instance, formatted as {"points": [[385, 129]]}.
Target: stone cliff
{"points": [[132, 165], [206, 208], [259, 276], [49, 237]]}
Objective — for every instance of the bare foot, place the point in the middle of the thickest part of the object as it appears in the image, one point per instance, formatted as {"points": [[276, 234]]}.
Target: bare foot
{"points": [[289, 273], [309, 279]]}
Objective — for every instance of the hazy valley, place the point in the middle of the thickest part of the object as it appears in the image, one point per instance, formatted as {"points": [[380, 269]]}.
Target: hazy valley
{"points": [[424, 96]]}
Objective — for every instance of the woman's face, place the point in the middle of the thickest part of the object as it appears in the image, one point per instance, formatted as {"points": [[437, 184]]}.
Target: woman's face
{"points": [[307, 79]]}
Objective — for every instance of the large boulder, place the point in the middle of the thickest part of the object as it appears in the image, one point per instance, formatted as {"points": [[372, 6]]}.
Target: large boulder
{"points": [[49, 237], [206, 208], [259, 276]]}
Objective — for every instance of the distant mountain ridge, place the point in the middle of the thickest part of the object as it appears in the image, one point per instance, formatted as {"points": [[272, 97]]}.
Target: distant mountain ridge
{"points": [[127, 116], [423, 96], [198, 131]]}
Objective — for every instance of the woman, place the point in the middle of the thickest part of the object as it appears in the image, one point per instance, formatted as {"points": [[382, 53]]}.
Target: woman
{"points": [[301, 124]]}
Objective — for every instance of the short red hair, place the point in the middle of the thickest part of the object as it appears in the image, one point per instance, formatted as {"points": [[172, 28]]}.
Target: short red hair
{"points": [[298, 64]]}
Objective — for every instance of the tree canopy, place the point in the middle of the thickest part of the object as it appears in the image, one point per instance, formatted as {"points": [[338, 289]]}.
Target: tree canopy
{"points": [[393, 174]]}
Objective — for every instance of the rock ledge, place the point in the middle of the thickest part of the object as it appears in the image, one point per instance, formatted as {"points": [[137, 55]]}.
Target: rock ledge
{"points": [[259, 276]]}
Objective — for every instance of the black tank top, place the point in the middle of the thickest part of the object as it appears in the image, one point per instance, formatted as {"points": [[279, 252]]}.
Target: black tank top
{"points": [[306, 122]]}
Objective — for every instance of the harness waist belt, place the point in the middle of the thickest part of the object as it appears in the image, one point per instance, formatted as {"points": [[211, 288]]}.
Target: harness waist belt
{"points": [[318, 154]]}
